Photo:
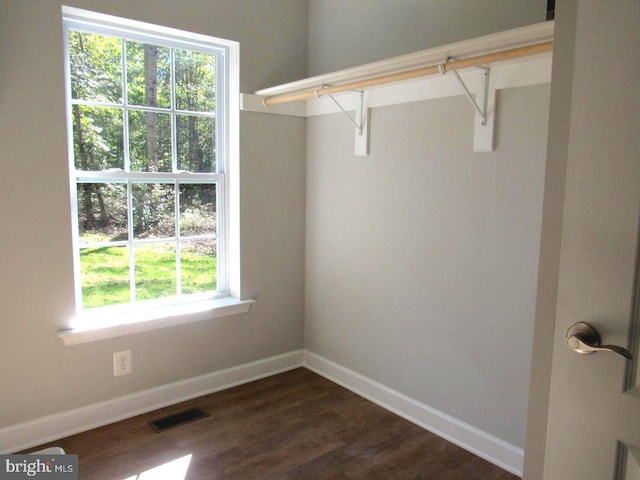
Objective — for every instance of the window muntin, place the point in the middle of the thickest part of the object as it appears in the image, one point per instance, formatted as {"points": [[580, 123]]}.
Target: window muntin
{"points": [[147, 172]]}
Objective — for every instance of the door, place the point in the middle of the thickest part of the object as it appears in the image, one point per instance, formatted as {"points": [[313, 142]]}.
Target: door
{"points": [[594, 407]]}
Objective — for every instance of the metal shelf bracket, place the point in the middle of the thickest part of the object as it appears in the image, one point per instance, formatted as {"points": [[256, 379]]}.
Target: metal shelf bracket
{"points": [[360, 122], [484, 105]]}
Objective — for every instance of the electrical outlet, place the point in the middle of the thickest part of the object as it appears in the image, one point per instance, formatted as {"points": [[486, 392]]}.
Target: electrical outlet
{"points": [[122, 363]]}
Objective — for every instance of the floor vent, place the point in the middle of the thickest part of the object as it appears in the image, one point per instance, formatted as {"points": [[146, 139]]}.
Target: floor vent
{"points": [[178, 419]]}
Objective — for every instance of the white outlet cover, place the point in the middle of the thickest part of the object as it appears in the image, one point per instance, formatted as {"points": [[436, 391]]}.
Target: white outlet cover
{"points": [[122, 363]]}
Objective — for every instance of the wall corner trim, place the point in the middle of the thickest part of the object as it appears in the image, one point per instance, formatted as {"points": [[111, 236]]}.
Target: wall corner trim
{"points": [[480, 443]]}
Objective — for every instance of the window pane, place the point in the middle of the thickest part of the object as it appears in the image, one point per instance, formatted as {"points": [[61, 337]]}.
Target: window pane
{"points": [[105, 276], [197, 209], [102, 212], [97, 138], [198, 264], [196, 143], [96, 67], [142, 110], [148, 75], [153, 210], [155, 270], [195, 81], [149, 141]]}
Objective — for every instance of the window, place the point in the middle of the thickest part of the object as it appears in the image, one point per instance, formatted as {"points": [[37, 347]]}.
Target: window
{"points": [[148, 132]]}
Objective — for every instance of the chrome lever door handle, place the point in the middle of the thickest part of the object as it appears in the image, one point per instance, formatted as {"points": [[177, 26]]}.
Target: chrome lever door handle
{"points": [[584, 339]]}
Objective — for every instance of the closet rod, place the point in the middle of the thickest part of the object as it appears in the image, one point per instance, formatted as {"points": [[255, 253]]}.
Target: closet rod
{"points": [[458, 64]]}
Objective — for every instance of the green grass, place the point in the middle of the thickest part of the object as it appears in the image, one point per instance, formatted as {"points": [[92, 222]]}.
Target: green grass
{"points": [[105, 273]]}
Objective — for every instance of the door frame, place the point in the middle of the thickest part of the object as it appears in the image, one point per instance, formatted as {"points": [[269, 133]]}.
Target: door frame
{"points": [[551, 237]]}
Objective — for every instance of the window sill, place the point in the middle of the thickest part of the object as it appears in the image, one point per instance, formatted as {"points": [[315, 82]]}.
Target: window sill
{"points": [[92, 328]]}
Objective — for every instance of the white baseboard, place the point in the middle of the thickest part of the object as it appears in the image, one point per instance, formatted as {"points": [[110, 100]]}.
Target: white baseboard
{"points": [[478, 442], [49, 428], [52, 427]]}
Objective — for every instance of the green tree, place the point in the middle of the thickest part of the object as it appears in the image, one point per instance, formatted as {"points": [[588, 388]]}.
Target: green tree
{"points": [[96, 63]]}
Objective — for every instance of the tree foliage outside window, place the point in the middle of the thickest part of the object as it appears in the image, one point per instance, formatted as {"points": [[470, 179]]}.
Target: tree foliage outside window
{"points": [[143, 125]]}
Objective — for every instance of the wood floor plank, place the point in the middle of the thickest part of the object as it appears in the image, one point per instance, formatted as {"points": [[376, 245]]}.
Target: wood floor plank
{"points": [[292, 426]]}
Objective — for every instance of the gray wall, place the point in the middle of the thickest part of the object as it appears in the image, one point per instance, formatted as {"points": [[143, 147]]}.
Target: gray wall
{"points": [[345, 33], [41, 376], [422, 259]]}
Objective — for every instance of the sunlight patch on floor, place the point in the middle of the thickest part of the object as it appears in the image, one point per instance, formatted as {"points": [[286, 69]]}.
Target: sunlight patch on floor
{"points": [[175, 470]]}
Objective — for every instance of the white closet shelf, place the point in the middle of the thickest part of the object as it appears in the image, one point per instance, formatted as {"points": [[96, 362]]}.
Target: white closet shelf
{"points": [[477, 83]]}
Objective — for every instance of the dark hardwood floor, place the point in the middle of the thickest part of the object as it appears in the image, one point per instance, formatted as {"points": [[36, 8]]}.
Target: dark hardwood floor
{"points": [[292, 426]]}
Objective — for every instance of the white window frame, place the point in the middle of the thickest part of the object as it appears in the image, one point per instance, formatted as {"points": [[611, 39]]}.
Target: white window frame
{"points": [[107, 322]]}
